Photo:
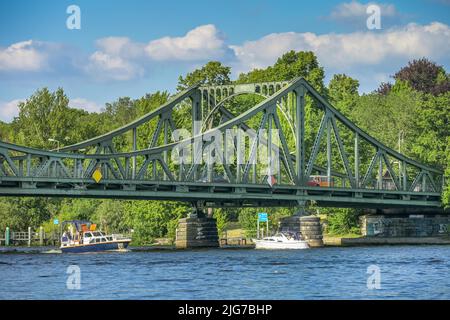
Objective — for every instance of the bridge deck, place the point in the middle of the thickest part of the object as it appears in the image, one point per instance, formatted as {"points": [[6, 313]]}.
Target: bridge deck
{"points": [[218, 194]]}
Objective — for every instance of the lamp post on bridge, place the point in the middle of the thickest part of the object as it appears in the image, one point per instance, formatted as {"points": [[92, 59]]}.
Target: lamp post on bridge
{"points": [[57, 143]]}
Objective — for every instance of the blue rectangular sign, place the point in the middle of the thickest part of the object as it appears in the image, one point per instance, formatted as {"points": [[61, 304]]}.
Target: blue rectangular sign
{"points": [[55, 221], [262, 217]]}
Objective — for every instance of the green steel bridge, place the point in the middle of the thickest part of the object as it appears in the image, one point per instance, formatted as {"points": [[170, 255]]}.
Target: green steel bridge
{"points": [[358, 170]]}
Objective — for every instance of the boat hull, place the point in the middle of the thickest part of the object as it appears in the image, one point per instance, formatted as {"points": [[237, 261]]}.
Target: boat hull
{"points": [[96, 247], [272, 245]]}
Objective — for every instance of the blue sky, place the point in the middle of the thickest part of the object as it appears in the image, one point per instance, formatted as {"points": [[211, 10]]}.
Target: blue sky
{"points": [[129, 48]]}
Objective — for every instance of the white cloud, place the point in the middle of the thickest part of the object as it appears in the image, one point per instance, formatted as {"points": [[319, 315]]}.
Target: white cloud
{"points": [[361, 54], [81, 103], [9, 109], [23, 56], [120, 46], [120, 58], [106, 66], [201, 43], [350, 50], [355, 10]]}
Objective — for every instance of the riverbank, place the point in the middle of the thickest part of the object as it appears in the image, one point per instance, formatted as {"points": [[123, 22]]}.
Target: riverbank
{"points": [[54, 250], [333, 241], [329, 241]]}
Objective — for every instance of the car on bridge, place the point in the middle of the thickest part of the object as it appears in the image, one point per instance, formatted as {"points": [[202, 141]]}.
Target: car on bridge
{"points": [[320, 181], [217, 179]]}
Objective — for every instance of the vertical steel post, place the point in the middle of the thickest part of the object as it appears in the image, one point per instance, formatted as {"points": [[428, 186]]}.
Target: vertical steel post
{"points": [[28, 165], [133, 173], [20, 168], [166, 140], [197, 116], [75, 168], [269, 144], [202, 104], [357, 160], [239, 158], [380, 172], [424, 182], [300, 134], [405, 180], [329, 151]]}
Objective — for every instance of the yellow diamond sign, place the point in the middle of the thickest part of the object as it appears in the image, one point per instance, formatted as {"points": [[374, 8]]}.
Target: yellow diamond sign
{"points": [[97, 175]]}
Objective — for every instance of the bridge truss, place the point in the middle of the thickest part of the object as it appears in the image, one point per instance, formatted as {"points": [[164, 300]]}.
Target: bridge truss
{"points": [[309, 137]]}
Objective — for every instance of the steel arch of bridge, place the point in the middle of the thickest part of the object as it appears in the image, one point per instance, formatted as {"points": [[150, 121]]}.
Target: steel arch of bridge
{"points": [[148, 173]]}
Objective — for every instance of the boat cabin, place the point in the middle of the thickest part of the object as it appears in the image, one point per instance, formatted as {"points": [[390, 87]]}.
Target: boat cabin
{"points": [[95, 237]]}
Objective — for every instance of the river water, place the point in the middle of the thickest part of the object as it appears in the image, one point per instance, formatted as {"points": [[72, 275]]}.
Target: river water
{"points": [[405, 272]]}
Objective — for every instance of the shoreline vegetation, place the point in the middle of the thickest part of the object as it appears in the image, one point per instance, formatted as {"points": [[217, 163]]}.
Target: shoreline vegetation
{"points": [[329, 241], [418, 99]]}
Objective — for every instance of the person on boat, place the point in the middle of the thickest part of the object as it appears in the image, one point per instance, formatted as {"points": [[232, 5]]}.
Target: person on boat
{"points": [[64, 237]]}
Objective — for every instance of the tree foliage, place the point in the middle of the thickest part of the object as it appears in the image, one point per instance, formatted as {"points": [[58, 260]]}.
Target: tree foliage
{"points": [[213, 73], [343, 93], [289, 66], [416, 107], [342, 221], [425, 76]]}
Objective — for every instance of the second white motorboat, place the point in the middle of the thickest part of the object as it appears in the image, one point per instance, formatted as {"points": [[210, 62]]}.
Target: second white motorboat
{"points": [[281, 241]]}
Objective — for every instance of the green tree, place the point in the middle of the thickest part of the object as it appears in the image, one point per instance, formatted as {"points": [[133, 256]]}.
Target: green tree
{"points": [[5, 131], [153, 219], [248, 218], [222, 219], [109, 215], [374, 114], [290, 65], [342, 221], [20, 213], [212, 73], [425, 76], [432, 124], [343, 93]]}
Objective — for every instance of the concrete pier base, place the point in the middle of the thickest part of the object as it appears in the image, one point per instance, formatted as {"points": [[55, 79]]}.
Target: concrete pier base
{"points": [[401, 225], [308, 226], [197, 231], [290, 224], [311, 231]]}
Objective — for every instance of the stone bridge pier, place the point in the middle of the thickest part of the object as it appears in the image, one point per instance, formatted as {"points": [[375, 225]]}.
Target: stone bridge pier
{"points": [[309, 227], [405, 223], [197, 231]]}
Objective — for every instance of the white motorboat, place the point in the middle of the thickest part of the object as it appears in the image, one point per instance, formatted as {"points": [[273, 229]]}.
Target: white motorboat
{"points": [[281, 241]]}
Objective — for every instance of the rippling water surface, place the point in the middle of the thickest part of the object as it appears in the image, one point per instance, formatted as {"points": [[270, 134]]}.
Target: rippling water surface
{"points": [[407, 272]]}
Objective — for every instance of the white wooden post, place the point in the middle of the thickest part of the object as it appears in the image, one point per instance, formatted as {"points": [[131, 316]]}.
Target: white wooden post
{"points": [[41, 236], [257, 229], [29, 236]]}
